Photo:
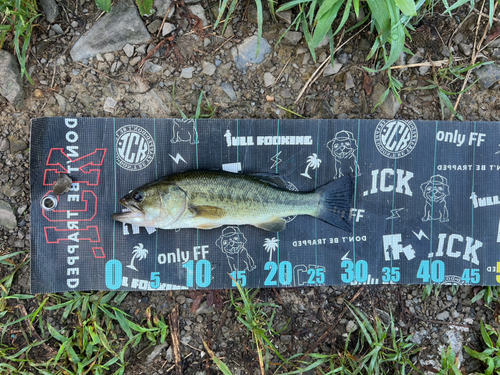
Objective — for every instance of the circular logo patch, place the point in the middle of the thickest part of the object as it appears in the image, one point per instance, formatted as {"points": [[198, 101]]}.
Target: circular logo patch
{"points": [[453, 280], [395, 138], [135, 148]]}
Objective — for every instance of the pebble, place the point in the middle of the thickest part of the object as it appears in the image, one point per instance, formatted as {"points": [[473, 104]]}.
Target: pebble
{"points": [[17, 145], [488, 75], [109, 105], [57, 28], [135, 61], [187, 72], [109, 57], [7, 218], [167, 28], [342, 58], [129, 50], [245, 54], [466, 49], [208, 68], [199, 11], [4, 145], [149, 67], [228, 89], [293, 37], [444, 315], [332, 70], [349, 81], [268, 79]]}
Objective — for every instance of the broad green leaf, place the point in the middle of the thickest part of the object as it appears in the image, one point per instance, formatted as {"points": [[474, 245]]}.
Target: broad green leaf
{"points": [[324, 23], [289, 5], [347, 10], [397, 44], [326, 7], [407, 7], [145, 7], [104, 5]]}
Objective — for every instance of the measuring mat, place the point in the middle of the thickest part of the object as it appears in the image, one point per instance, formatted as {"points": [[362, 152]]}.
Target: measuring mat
{"points": [[426, 204]]}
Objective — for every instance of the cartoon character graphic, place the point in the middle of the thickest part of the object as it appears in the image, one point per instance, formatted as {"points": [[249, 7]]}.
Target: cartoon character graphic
{"points": [[232, 243], [343, 148], [435, 192], [184, 131]]}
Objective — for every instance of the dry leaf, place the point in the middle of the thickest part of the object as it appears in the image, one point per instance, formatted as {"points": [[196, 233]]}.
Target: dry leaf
{"points": [[368, 84]]}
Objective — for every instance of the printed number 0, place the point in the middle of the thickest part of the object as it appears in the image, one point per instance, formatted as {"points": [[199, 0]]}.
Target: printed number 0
{"points": [[113, 274]]}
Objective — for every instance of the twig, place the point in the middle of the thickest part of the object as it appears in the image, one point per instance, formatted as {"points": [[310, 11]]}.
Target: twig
{"points": [[174, 328], [332, 327], [427, 63], [282, 70], [163, 22], [222, 45], [474, 56], [104, 74], [320, 69]]}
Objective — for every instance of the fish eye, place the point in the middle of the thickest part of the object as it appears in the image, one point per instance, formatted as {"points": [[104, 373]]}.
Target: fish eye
{"points": [[138, 196]]}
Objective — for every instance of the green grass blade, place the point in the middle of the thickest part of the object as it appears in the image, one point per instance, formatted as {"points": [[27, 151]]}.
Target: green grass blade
{"points": [[104, 5]]}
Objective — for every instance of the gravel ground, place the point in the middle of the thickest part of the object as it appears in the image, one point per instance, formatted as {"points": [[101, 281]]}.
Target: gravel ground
{"points": [[117, 84]]}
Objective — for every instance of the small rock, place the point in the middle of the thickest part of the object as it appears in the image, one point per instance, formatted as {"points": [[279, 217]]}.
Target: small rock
{"points": [[149, 67], [247, 53], [324, 42], [270, 98], [286, 94], [444, 315], [57, 28], [154, 26], [169, 356], [466, 49], [74, 24], [351, 326], [285, 16], [111, 32], [163, 6], [199, 12], [458, 38], [11, 86], [7, 217], [155, 353], [63, 184], [488, 75], [187, 72], [17, 145], [208, 68], [129, 50], [4, 145], [342, 58], [167, 28], [349, 81], [109, 105], [364, 45], [109, 57], [228, 89], [61, 101], [135, 60], [415, 59], [268, 79], [390, 106], [229, 31], [293, 37], [332, 70], [50, 9]]}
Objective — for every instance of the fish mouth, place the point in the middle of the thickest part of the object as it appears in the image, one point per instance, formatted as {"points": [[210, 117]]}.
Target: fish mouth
{"points": [[132, 214]]}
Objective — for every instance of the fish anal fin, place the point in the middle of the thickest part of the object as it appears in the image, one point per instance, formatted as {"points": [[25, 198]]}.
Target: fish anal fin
{"points": [[208, 212], [275, 225]]}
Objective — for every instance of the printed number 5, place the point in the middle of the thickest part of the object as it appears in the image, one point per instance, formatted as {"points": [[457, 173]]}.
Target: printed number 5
{"points": [[155, 280]]}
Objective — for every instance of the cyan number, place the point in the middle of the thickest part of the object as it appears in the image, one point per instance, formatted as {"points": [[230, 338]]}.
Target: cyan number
{"points": [[471, 276], [431, 271], [316, 276], [354, 272], [391, 274], [284, 270], [113, 272], [240, 277], [203, 273], [155, 280]]}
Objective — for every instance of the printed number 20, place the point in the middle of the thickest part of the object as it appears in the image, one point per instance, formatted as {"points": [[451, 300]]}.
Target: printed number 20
{"points": [[284, 270]]}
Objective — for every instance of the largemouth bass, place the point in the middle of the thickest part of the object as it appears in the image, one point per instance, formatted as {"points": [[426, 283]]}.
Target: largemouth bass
{"points": [[210, 199]]}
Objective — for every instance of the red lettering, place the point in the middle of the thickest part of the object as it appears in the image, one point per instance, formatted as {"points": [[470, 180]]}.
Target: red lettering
{"points": [[87, 209], [55, 235]]}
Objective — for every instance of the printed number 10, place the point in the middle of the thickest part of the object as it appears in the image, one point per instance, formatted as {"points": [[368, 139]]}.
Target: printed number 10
{"points": [[203, 273]]}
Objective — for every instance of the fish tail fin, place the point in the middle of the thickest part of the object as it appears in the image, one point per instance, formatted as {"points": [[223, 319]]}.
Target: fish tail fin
{"points": [[336, 201]]}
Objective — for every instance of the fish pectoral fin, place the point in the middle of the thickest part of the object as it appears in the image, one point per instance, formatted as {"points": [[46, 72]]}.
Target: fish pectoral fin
{"points": [[275, 225], [208, 212]]}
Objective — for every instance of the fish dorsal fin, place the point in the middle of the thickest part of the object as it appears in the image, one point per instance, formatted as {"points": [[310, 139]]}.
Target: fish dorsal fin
{"points": [[272, 179], [275, 225], [208, 212]]}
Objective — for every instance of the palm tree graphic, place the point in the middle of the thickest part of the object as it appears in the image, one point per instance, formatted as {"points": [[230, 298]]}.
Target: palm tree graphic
{"points": [[312, 162], [271, 245], [139, 253]]}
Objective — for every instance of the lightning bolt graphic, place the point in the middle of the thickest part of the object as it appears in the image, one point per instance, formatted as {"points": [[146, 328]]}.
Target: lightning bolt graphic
{"points": [[395, 213], [276, 160], [420, 234], [177, 158]]}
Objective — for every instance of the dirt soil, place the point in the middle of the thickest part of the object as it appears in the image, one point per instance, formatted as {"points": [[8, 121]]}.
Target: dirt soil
{"points": [[310, 319]]}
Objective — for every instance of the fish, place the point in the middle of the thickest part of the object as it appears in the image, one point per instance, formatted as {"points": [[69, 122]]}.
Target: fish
{"points": [[210, 199]]}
